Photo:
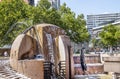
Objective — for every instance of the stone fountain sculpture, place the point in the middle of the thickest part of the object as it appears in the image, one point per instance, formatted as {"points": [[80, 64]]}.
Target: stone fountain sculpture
{"points": [[45, 39]]}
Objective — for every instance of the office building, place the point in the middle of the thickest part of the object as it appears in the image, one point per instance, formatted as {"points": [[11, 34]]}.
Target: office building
{"points": [[55, 3], [31, 2], [100, 20]]}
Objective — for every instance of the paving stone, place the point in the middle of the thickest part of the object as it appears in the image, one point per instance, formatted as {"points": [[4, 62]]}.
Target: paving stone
{"points": [[7, 73]]}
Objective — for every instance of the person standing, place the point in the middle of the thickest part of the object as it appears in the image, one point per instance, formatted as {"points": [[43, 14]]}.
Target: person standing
{"points": [[82, 61]]}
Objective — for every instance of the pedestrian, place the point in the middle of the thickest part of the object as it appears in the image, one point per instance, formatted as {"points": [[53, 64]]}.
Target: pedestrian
{"points": [[82, 61]]}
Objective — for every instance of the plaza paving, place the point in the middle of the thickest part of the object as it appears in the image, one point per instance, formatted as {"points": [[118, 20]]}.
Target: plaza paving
{"points": [[7, 73], [94, 76]]}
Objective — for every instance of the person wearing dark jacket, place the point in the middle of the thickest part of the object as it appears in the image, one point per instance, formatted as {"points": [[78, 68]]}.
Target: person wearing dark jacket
{"points": [[82, 61]]}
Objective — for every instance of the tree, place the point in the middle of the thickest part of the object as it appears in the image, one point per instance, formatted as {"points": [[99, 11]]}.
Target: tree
{"points": [[117, 35], [94, 42], [11, 12], [44, 13], [109, 36], [75, 27], [13, 15], [64, 17]]}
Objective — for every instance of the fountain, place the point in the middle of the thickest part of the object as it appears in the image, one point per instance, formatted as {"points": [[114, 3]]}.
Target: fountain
{"points": [[49, 41]]}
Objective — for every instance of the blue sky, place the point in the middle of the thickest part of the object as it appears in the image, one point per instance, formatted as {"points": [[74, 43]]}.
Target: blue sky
{"points": [[88, 7]]}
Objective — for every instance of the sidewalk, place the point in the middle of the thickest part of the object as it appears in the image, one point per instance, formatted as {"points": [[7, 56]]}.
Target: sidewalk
{"points": [[94, 76]]}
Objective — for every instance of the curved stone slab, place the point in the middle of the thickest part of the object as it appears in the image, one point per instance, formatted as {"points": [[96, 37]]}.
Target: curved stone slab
{"points": [[24, 47]]}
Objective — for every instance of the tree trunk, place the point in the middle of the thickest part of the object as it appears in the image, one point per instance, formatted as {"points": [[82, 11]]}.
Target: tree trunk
{"points": [[111, 49], [95, 50]]}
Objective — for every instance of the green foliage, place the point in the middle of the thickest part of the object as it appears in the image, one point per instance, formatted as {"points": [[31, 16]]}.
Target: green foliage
{"points": [[117, 35], [74, 26], [11, 12], [77, 52], [14, 11], [64, 17], [43, 13], [94, 41], [110, 35], [97, 43]]}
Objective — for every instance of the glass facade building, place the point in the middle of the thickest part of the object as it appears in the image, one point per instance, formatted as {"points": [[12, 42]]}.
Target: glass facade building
{"points": [[100, 20]]}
